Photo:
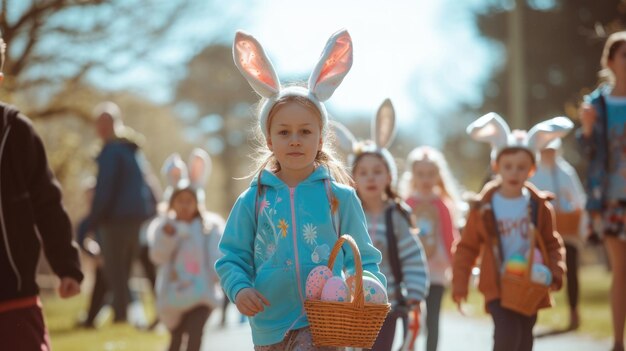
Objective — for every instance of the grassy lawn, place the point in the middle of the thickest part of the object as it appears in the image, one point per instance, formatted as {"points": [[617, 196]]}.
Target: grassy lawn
{"points": [[594, 305], [61, 317]]}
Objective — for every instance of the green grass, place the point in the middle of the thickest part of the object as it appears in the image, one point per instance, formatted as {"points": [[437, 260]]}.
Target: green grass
{"points": [[594, 309], [61, 316]]}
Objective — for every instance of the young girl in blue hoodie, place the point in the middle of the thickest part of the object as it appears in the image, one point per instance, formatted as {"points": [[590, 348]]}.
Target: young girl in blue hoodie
{"points": [[297, 205]]}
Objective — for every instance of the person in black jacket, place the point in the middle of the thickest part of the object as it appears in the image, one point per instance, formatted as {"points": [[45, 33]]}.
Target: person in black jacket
{"points": [[31, 216]]}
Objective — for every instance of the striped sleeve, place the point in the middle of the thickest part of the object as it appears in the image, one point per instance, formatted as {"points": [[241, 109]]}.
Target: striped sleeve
{"points": [[412, 260]]}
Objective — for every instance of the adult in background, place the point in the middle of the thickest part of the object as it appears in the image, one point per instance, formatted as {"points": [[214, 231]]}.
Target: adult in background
{"points": [[122, 201], [602, 138]]}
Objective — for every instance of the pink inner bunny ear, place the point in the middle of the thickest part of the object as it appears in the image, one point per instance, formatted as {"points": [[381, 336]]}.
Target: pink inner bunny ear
{"points": [[253, 63], [199, 167], [333, 65], [384, 126]]}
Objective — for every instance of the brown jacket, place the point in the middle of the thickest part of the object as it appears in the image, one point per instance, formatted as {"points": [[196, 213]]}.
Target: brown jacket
{"points": [[478, 240]]}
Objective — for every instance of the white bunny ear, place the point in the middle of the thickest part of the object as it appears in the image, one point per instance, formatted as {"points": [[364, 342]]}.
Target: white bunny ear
{"points": [[174, 169], [490, 128], [333, 65], [344, 137], [254, 64], [199, 167], [543, 133], [384, 126]]}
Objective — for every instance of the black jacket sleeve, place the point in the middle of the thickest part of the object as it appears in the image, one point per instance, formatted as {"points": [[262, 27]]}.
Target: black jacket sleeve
{"points": [[51, 219]]}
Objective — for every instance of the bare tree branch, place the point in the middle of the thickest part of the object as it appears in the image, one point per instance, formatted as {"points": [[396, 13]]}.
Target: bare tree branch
{"points": [[60, 111], [33, 36]]}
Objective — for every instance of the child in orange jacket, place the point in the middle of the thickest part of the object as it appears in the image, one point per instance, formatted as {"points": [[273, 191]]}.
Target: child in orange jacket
{"points": [[500, 222]]}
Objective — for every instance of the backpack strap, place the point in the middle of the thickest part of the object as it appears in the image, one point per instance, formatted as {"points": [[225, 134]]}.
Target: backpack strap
{"points": [[394, 255]]}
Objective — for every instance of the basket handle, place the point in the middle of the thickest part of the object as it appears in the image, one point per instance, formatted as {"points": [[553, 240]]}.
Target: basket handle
{"points": [[359, 299], [534, 239]]}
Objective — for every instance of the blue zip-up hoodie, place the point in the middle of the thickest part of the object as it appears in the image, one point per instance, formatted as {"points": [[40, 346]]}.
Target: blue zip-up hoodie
{"points": [[274, 251]]}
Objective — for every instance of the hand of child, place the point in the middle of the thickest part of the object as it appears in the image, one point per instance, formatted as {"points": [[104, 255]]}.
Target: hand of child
{"points": [[587, 117], [69, 287], [458, 299], [169, 229], [250, 302]]}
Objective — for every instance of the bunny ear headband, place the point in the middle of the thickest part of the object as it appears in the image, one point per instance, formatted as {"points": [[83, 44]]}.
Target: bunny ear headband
{"points": [[256, 67], [492, 129], [192, 175], [382, 133]]}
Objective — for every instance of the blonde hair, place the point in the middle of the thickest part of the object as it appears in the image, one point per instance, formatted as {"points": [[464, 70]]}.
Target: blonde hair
{"points": [[614, 42], [325, 155], [447, 186]]}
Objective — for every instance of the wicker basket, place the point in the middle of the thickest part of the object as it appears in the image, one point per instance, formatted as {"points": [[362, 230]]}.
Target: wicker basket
{"points": [[521, 294], [346, 324], [567, 223]]}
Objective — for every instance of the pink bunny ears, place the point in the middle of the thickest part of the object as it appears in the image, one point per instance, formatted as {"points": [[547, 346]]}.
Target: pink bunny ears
{"points": [[382, 134], [192, 175], [492, 129], [256, 67]]}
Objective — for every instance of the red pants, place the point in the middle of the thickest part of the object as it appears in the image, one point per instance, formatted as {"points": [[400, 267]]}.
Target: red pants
{"points": [[23, 329]]}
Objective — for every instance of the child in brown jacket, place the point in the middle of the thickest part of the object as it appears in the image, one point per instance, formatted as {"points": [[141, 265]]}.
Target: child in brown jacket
{"points": [[500, 224]]}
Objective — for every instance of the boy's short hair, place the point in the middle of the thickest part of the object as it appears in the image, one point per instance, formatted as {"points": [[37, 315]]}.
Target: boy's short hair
{"points": [[514, 150]]}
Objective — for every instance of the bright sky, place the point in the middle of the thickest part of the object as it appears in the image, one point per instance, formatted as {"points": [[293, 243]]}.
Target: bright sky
{"points": [[427, 56], [424, 55]]}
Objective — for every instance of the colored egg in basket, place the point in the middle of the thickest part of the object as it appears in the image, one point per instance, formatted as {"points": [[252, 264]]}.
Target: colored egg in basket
{"points": [[335, 289], [374, 291], [541, 274], [315, 282], [370, 274], [516, 265]]}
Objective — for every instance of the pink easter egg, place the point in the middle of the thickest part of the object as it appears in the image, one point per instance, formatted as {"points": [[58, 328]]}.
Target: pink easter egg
{"points": [[315, 282], [335, 290], [374, 291]]}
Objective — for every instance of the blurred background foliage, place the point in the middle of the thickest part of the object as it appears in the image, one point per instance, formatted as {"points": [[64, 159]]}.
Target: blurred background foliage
{"points": [[59, 50]]}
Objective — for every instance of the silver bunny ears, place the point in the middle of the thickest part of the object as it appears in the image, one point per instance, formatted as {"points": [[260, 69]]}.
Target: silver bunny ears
{"points": [[256, 67], [492, 129], [192, 175]]}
